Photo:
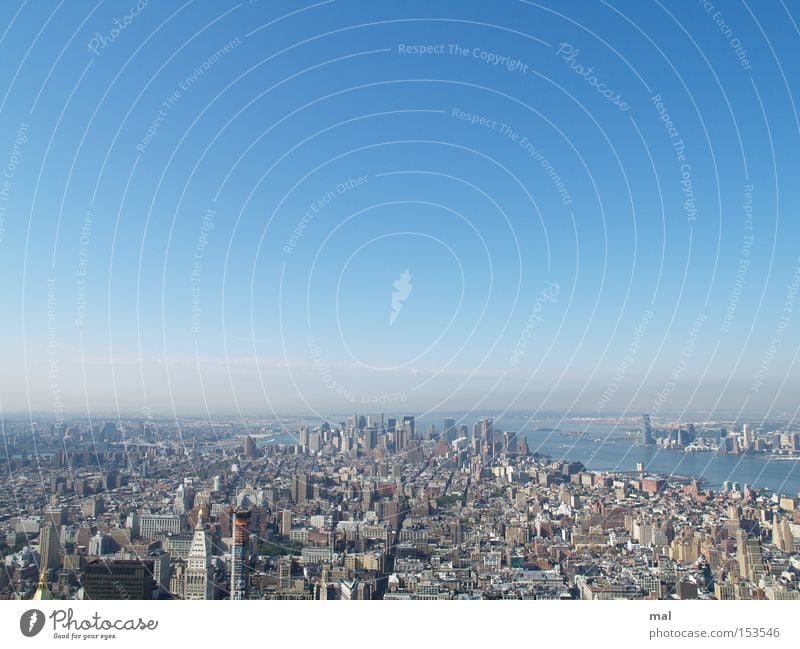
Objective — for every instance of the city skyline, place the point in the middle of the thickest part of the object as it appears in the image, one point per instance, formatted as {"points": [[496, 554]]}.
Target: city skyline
{"points": [[377, 507]]}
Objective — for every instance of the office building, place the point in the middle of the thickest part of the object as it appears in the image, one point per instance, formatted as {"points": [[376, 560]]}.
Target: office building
{"points": [[449, 429], [49, 548], [177, 579], [286, 522], [647, 431], [299, 488], [747, 438], [240, 560], [251, 451], [160, 561], [152, 524], [370, 438], [748, 555], [118, 579], [199, 575]]}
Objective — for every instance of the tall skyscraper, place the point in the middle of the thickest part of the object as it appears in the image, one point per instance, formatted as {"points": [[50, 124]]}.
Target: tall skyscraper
{"points": [[199, 576], [286, 522], [401, 437], [251, 450], [370, 438], [449, 429], [484, 435], [782, 536], [483, 429], [304, 436], [510, 442], [646, 436], [748, 554], [299, 488], [747, 438], [49, 548], [240, 563]]}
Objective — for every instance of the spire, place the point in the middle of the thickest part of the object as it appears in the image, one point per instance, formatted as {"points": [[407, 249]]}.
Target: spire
{"points": [[199, 572], [42, 592], [201, 516]]}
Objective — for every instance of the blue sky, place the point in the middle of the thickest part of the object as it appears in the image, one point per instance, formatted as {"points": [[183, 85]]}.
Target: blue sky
{"points": [[466, 142]]}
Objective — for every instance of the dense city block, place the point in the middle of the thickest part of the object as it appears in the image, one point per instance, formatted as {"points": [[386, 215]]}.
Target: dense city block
{"points": [[374, 508]]}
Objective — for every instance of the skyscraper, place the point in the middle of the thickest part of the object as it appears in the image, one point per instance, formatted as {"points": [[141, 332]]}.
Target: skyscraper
{"points": [[510, 442], [286, 522], [646, 436], [304, 436], [370, 438], [747, 438], [199, 576], [449, 429], [748, 554], [251, 451], [299, 488], [401, 437], [483, 433], [240, 577], [49, 548], [483, 429], [160, 561]]}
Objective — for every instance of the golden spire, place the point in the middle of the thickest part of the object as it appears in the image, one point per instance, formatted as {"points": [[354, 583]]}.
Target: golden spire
{"points": [[42, 592], [201, 515]]}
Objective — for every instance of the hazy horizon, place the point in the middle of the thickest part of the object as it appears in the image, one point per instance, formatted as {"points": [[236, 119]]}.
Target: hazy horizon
{"points": [[421, 205]]}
